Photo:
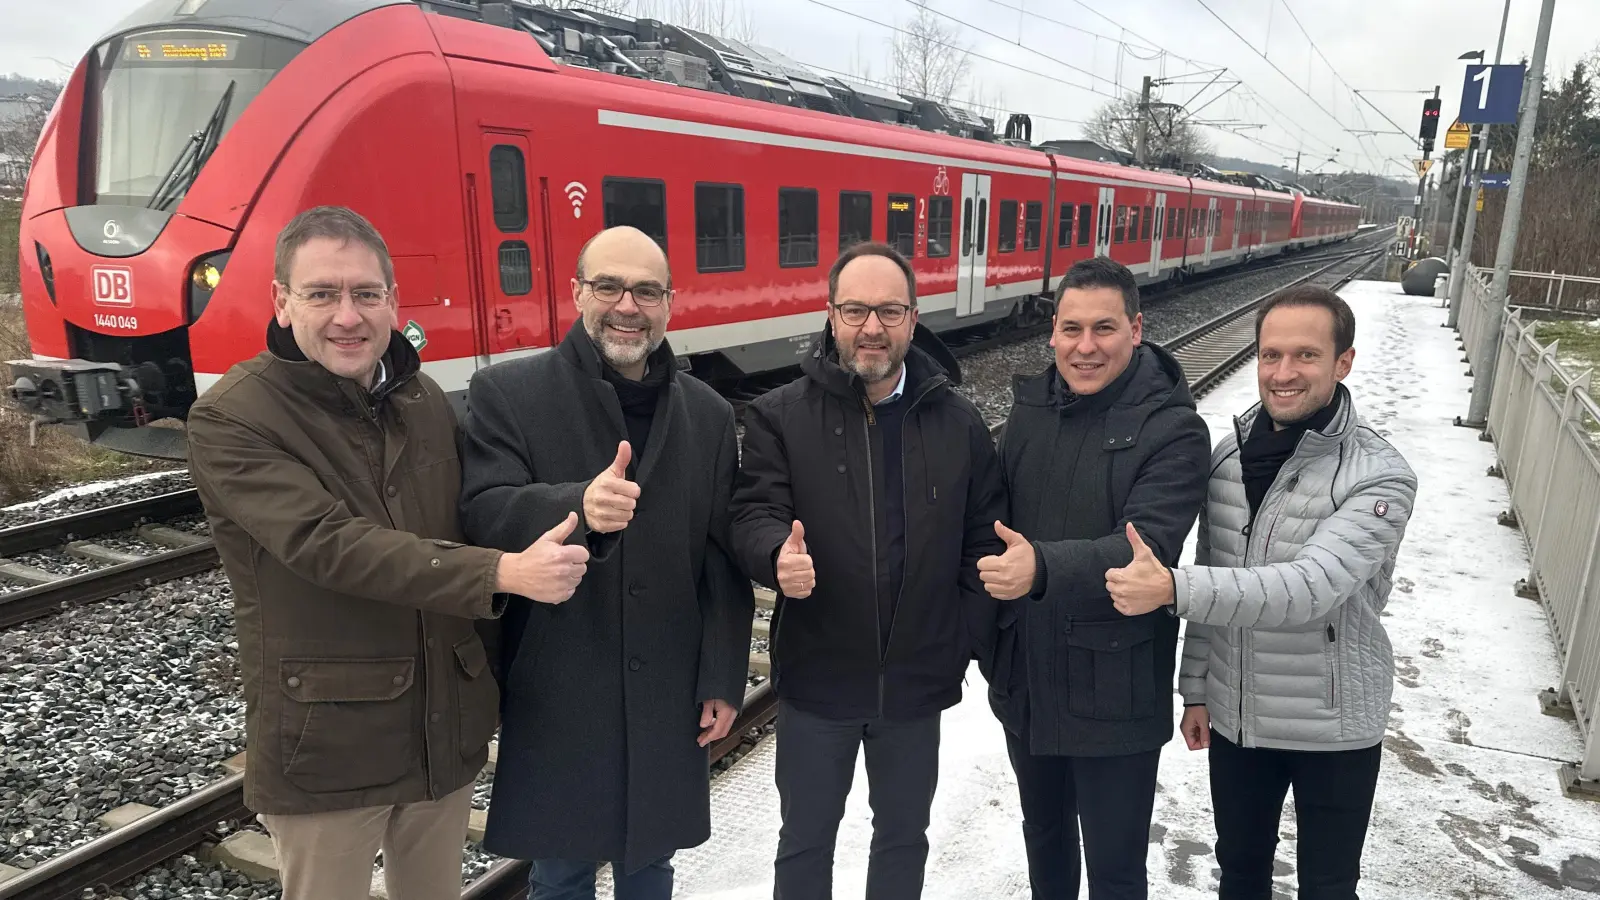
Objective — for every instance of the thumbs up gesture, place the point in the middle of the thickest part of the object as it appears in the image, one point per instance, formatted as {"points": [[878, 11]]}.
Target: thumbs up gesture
{"points": [[1143, 585], [1009, 575], [796, 576], [549, 570], [610, 499]]}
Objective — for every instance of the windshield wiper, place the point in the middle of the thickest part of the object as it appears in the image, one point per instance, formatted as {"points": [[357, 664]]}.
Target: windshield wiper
{"points": [[194, 154]]}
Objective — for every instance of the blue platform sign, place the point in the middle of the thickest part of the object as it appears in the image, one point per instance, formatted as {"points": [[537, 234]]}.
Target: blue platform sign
{"points": [[1490, 95], [1494, 180]]}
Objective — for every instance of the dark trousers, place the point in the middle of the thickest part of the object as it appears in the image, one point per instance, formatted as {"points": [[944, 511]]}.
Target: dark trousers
{"points": [[572, 879], [1112, 795], [1332, 803], [815, 765]]}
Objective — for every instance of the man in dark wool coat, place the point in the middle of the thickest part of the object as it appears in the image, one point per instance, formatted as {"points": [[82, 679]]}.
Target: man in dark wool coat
{"points": [[611, 698]]}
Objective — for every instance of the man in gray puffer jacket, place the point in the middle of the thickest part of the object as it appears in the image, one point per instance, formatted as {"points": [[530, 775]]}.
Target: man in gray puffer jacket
{"points": [[1287, 672]]}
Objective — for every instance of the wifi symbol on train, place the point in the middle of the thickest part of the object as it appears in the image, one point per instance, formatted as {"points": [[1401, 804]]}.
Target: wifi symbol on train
{"points": [[576, 191]]}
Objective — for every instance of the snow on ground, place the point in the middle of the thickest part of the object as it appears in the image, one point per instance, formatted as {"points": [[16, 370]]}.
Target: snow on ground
{"points": [[1468, 805], [85, 490]]}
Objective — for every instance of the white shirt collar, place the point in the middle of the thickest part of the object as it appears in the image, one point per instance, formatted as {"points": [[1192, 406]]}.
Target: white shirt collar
{"points": [[899, 388]]}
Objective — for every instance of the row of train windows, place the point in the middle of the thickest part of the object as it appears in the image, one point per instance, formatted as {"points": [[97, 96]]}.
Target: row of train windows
{"points": [[719, 216]]}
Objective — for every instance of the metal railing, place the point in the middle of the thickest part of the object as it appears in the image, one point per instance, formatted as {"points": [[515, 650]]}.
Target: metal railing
{"points": [[1552, 290], [1546, 430]]}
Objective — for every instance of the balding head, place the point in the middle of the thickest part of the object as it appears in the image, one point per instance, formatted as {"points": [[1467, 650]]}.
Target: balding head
{"points": [[626, 242], [614, 267]]}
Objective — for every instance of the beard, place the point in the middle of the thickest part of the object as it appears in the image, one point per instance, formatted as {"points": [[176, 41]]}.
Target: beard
{"points": [[621, 352], [875, 370]]}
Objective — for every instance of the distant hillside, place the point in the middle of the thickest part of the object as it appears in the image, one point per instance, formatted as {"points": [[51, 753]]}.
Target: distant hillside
{"points": [[19, 86]]}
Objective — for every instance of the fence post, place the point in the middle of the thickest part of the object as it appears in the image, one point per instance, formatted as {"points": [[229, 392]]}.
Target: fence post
{"points": [[1561, 288], [1569, 664]]}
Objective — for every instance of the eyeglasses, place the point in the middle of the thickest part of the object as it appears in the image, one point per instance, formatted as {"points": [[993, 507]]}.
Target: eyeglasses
{"points": [[646, 294], [890, 314], [327, 298]]}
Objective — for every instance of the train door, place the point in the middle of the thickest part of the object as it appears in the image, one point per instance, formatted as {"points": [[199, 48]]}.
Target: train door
{"points": [[1208, 233], [972, 272], [1155, 234], [1238, 211], [1102, 236], [516, 302]]}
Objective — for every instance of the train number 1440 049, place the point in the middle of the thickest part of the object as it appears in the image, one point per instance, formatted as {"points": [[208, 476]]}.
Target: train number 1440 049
{"points": [[107, 320]]}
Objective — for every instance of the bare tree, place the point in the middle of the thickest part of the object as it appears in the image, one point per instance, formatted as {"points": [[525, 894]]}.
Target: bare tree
{"points": [[729, 19], [928, 58], [1116, 125], [987, 102], [613, 7], [24, 106]]}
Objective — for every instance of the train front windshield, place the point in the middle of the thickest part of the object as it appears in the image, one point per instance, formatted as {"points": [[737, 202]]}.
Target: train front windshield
{"points": [[164, 99]]}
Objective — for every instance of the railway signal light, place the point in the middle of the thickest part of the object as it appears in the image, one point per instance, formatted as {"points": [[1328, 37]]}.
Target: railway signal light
{"points": [[1430, 119]]}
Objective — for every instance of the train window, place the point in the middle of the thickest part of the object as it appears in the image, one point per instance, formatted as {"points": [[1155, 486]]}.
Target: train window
{"points": [[1216, 221], [901, 232], [508, 185], [1178, 229], [1159, 223], [1133, 224], [1144, 226], [855, 218], [983, 224], [719, 227], [797, 227], [939, 214], [966, 226], [516, 268], [1172, 223], [1121, 234], [640, 202], [1085, 223], [1007, 237], [1064, 226], [1032, 225]]}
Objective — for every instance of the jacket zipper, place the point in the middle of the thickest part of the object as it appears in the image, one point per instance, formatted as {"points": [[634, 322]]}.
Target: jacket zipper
{"points": [[872, 530], [1333, 671]]}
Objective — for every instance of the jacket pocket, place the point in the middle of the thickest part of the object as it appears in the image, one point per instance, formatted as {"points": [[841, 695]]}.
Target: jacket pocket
{"points": [[1330, 659], [347, 724], [1111, 670], [479, 696]]}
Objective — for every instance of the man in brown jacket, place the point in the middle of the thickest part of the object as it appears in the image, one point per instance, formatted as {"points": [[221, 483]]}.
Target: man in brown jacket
{"points": [[328, 469]]}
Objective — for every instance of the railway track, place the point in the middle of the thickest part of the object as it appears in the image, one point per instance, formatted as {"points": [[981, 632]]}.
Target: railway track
{"points": [[127, 852]]}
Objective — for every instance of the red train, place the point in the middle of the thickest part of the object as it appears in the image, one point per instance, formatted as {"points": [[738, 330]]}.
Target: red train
{"points": [[487, 142]]}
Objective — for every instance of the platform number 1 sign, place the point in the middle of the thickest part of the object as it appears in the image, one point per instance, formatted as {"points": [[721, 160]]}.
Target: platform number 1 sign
{"points": [[1490, 95]]}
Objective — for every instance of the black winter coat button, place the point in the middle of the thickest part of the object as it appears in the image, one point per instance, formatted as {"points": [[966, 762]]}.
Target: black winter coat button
{"points": [[838, 429], [633, 664], [633, 589], [393, 490], [841, 468]]}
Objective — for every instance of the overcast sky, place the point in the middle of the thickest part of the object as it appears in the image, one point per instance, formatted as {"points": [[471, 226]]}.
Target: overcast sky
{"points": [[1043, 67]]}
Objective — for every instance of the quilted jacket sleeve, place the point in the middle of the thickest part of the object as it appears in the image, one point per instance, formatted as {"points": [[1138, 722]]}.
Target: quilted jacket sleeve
{"points": [[1344, 551], [1196, 659]]}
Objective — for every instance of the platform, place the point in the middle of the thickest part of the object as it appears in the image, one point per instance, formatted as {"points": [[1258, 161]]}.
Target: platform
{"points": [[1468, 801]]}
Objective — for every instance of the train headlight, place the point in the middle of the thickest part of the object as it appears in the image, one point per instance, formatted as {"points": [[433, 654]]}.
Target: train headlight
{"points": [[204, 278], [46, 269]]}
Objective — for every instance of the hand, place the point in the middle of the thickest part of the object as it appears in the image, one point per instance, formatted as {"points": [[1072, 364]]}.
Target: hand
{"points": [[610, 499], [796, 577], [716, 717], [1009, 575], [549, 570], [1196, 727], [1141, 586]]}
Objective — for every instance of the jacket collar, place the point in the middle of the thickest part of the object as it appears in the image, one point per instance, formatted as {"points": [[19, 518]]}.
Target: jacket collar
{"points": [[400, 364], [578, 349], [924, 371], [1153, 380], [1312, 443]]}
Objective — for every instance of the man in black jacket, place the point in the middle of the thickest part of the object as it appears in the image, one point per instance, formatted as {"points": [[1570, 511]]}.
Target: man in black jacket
{"points": [[1107, 435], [610, 698], [868, 490]]}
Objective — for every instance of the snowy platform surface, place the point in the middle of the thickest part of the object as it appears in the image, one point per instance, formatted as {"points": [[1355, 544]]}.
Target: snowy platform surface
{"points": [[1468, 803]]}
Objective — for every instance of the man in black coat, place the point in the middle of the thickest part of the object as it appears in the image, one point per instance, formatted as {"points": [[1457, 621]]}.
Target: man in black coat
{"points": [[611, 698], [868, 490], [1107, 435]]}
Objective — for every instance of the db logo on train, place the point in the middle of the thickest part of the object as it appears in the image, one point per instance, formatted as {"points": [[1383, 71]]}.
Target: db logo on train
{"points": [[113, 285]]}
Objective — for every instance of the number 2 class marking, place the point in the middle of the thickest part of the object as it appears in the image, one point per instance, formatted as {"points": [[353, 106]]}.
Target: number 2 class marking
{"points": [[1483, 93]]}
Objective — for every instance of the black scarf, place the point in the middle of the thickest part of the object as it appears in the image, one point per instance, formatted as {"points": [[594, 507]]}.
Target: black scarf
{"points": [[1266, 449], [638, 401]]}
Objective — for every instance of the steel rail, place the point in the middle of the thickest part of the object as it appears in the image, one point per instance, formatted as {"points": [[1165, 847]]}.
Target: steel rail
{"points": [[50, 532], [17, 607]]}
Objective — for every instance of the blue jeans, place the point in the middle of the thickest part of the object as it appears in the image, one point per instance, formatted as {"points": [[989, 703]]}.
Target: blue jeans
{"points": [[572, 879]]}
